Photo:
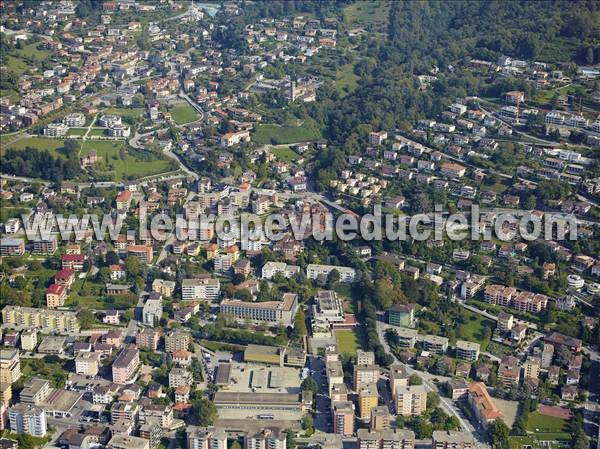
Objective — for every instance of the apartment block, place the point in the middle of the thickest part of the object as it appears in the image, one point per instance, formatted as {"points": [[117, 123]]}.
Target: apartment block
{"points": [[206, 438], [452, 440], [315, 271], [270, 311], [87, 363], [385, 439], [368, 399], [193, 289], [125, 366], [10, 366], [177, 340], [411, 400], [343, 417], [466, 350], [365, 375], [27, 419]]}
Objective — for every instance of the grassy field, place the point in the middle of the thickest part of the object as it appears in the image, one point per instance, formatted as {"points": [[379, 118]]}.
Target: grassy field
{"points": [[289, 133], [123, 167], [285, 154], [348, 341], [539, 423], [79, 132], [17, 63], [473, 329], [126, 112], [346, 80], [184, 113], [98, 132], [367, 14], [41, 143]]}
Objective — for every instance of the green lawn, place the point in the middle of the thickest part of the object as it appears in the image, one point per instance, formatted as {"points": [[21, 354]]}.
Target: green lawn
{"points": [[285, 154], [17, 63], [539, 423], [98, 132], [79, 132], [126, 112], [346, 80], [129, 165], [474, 328], [348, 341], [289, 133], [184, 113], [41, 143]]}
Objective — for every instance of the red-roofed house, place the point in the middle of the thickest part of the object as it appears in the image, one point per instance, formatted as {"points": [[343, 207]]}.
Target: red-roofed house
{"points": [[65, 277], [73, 261], [56, 295]]}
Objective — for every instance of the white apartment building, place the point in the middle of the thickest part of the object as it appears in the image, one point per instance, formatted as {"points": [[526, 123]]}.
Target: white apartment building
{"points": [[270, 311], [271, 268], [206, 438], [56, 130], [24, 418], [74, 120], [313, 271], [192, 289]]}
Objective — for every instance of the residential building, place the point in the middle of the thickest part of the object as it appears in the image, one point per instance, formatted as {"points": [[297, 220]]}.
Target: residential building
{"points": [[27, 419], [12, 247], [368, 398], [411, 400], [314, 271], [380, 418], [87, 363], [45, 246], [124, 441], [148, 339], [206, 288], [269, 311], [271, 268], [443, 439], [466, 350], [29, 339], [385, 439], [343, 417], [35, 391], [56, 295], [125, 366], [60, 320], [435, 344], [177, 340], [531, 368], [205, 438], [142, 252], [268, 438], [10, 366], [152, 311], [402, 315], [163, 287], [365, 375]]}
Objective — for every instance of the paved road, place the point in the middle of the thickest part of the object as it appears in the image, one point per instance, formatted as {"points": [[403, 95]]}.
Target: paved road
{"points": [[322, 418]]}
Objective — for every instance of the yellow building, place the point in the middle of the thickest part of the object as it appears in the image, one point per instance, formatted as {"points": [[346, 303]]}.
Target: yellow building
{"points": [[5, 392], [368, 399], [61, 320]]}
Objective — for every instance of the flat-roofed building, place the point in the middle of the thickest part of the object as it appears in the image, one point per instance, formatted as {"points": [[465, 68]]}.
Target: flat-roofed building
{"points": [[124, 441], [365, 375], [87, 363], [435, 344], [206, 438], [343, 417], [466, 350], [29, 339], [35, 391], [380, 418], [268, 438], [365, 357], [180, 377], [10, 366], [125, 365], [482, 404], [124, 411], [264, 354], [385, 439], [531, 367], [402, 315], [147, 338], [411, 400], [406, 337], [258, 401], [152, 311], [12, 247], [177, 340], [314, 271], [281, 312], [398, 377], [27, 419], [207, 288], [368, 399], [60, 320], [328, 309], [443, 439]]}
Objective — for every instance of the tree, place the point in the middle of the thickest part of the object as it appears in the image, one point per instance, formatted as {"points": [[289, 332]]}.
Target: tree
{"points": [[86, 318], [309, 384], [300, 323], [204, 412], [235, 445], [498, 434], [415, 380], [132, 266], [307, 422], [433, 400], [112, 258]]}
